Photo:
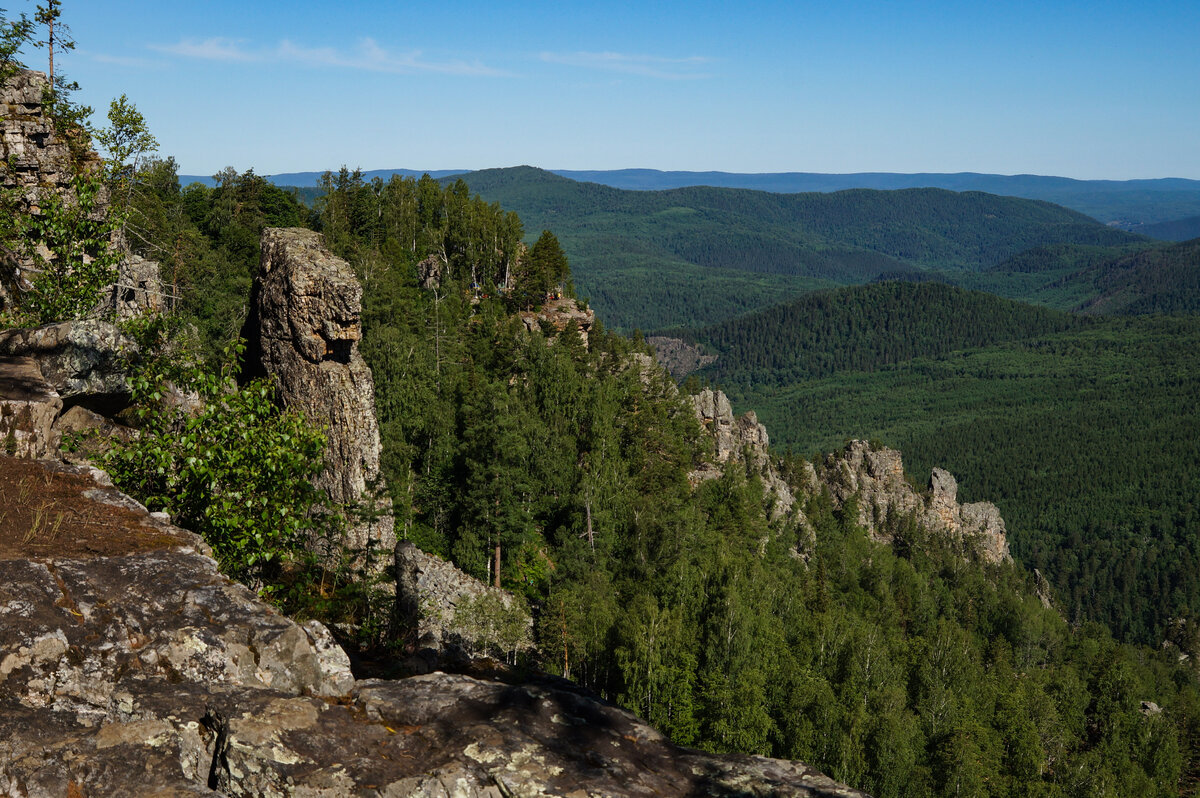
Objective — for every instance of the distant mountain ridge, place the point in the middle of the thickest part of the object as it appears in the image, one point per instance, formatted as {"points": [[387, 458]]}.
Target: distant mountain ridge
{"points": [[1126, 203], [698, 255]]}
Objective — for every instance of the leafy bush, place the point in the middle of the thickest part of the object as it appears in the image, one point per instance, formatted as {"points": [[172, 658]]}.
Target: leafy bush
{"points": [[229, 465]]}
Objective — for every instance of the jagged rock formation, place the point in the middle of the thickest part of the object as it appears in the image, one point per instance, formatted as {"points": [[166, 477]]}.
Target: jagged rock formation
{"points": [[35, 160], [740, 440], [678, 356], [557, 314], [875, 477], [453, 612], [429, 272], [129, 666], [303, 329]]}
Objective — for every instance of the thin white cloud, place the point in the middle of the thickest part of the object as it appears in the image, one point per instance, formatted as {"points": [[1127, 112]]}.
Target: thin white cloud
{"points": [[215, 49], [650, 66], [120, 60], [368, 56]]}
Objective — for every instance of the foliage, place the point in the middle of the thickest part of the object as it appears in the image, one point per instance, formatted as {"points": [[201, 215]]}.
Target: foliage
{"points": [[903, 671], [234, 468], [127, 141], [82, 261]]}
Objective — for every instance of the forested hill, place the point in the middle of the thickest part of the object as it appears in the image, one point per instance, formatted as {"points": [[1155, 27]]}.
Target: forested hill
{"points": [[1125, 202], [863, 328], [1161, 280], [1130, 279], [698, 255]]}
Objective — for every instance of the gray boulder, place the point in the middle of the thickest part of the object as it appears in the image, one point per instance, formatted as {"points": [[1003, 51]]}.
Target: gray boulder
{"points": [[84, 361]]}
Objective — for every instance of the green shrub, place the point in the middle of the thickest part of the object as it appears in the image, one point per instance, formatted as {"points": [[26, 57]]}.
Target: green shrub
{"points": [[234, 467]]}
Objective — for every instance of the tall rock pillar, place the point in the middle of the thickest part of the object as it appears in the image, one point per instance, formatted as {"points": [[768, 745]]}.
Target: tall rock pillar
{"points": [[303, 329]]}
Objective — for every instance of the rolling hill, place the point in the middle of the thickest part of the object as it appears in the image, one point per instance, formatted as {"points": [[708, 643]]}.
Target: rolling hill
{"points": [[678, 257]]}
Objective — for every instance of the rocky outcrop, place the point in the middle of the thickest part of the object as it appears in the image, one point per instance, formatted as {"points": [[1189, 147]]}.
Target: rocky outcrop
{"points": [[874, 476], [138, 288], [678, 356], [84, 361], [35, 160], [452, 612], [28, 409], [129, 666], [557, 314], [429, 272], [740, 440], [303, 330]]}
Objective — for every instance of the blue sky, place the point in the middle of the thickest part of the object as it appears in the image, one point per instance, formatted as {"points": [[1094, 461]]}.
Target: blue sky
{"points": [[1087, 90]]}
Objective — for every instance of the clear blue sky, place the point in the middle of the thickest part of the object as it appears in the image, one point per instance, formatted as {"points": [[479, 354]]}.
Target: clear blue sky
{"points": [[1081, 89]]}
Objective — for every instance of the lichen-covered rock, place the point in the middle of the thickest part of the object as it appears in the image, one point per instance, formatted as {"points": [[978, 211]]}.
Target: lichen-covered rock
{"points": [[28, 408], [303, 330], [453, 611], [678, 356], [874, 476], [139, 670], [429, 272], [84, 361]]}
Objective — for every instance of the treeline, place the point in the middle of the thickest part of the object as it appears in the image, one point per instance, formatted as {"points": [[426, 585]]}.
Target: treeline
{"points": [[865, 328], [1159, 280]]}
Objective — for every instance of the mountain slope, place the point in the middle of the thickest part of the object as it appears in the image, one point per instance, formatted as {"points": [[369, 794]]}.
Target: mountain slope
{"points": [[1161, 280], [630, 239], [865, 328]]}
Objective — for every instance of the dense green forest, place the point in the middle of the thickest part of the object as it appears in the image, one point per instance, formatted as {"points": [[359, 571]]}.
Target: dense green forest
{"points": [[864, 328], [647, 258], [1085, 439], [1137, 278], [905, 672]]}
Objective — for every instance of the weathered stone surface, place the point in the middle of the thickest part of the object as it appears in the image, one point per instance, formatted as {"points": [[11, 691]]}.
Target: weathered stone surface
{"points": [[558, 313], [875, 476], [303, 329], [138, 289], [444, 605], [35, 161], [678, 356], [144, 672], [85, 361], [28, 407], [740, 440]]}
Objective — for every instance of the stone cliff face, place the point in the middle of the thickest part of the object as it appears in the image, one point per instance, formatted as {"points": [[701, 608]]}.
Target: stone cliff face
{"points": [[303, 329], [129, 666], [875, 477], [34, 162]]}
